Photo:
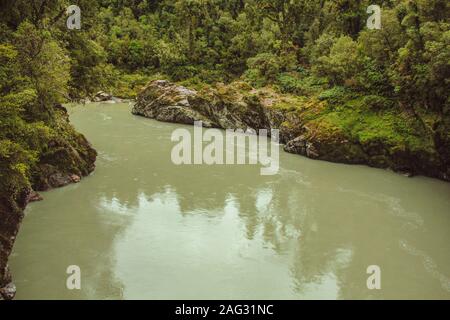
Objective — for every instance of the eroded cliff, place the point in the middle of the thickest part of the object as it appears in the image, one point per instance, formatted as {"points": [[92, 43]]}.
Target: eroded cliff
{"points": [[356, 132], [64, 157]]}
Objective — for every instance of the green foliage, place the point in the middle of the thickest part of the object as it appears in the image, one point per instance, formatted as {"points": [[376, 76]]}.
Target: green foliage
{"points": [[378, 103], [89, 71], [15, 163], [343, 62], [321, 47], [334, 95], [263, 69], [300, 83], [289, 83], [34, 75], [44, 66], [127, 86], [389, 85], [376, 127]]}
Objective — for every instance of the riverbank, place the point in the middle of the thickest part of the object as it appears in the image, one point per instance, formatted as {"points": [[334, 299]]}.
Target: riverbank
{"points": [[59, 156], [332, 125]]}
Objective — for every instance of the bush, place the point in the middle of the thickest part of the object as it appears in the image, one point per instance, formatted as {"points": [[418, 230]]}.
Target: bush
{"points": [[289, 83], [128, 85], [262, 69], [321, 47], [377, 103], [212, 76], [15, 164], [295, 83], [334, 95], [180, 73], [170, 56], [343, 62]]}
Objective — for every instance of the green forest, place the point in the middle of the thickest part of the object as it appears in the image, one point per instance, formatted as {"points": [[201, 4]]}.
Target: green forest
{"points": [[390, 84], [395, 79]]}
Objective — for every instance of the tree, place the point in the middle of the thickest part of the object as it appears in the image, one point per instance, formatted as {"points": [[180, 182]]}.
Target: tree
{"points": [[48, 80]]}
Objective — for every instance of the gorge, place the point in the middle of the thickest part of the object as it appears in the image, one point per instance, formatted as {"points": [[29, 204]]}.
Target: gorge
{"points": [[357, 91], [233, 107], [141, 227]]}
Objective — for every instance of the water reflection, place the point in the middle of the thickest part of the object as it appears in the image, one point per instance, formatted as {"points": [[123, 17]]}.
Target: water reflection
{"points": [[141, 227]]}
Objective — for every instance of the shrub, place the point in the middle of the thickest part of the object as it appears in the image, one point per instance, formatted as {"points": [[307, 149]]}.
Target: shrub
{"points": [[289, 83], [342, 63], [129, 85], [335, 94], [262, 69], [377, 103], [296, 83]]}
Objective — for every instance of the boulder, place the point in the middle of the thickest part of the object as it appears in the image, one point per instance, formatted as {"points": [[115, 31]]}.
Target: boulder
{"points": [[102, 96], [75, 178], [8, 292], [34, 196], [296, 146], [168, 102]]}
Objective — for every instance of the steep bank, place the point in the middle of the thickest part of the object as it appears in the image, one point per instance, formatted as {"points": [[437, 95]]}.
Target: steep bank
{"points": [[353, 130], [62, 157]]}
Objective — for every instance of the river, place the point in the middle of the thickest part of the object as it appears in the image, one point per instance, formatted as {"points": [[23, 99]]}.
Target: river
{"points": [[141, 227]]}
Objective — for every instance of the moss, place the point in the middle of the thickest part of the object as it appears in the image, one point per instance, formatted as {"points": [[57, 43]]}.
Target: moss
{"points": [[290, 104], [380, 133], [335, 94], [55, 143], [355, 128], [300, 83], [194, 83]]}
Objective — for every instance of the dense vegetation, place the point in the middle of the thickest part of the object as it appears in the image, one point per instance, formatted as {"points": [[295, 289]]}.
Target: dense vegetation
{"points": [[379, 97], [389, 85]]}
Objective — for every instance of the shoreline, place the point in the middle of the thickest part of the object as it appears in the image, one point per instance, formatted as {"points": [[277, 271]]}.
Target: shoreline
{"points": [[236, 109]]}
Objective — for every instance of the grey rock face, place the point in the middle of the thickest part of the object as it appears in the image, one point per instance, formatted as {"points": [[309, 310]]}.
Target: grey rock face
{"points": [[227, 108], [168, 102]]}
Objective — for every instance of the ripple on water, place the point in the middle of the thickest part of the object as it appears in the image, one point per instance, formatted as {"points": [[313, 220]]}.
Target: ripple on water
{"points": [[428, 263]]}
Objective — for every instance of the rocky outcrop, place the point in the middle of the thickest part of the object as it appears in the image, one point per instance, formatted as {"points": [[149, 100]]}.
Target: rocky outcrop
{"points": [[102, 96], [168, 102], [335, 146], [68, 157], [300, 145], [232, 107]]}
